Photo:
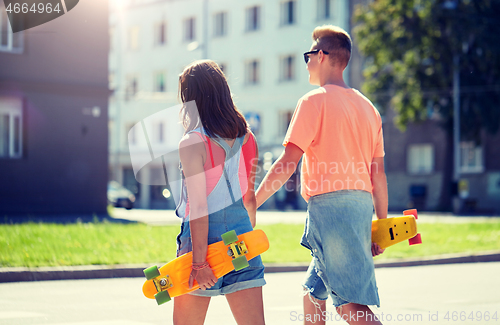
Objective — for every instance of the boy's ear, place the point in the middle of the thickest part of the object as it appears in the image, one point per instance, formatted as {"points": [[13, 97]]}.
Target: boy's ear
{"points": [[323, 56]]}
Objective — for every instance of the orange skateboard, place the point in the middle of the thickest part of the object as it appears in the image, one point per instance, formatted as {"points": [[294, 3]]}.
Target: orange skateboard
{"points": [[232, 253], [390, 231]]}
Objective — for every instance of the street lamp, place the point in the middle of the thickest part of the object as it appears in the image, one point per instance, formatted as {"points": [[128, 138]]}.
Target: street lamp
{"points": [[452, 5], [456, 130]]}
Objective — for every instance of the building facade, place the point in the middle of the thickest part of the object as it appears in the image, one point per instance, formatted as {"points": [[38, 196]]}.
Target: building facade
{"points": [[259, 46], [53, 114], [419, 165]]}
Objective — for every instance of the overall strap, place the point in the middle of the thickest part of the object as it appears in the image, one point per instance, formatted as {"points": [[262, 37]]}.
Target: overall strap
{"points": [[222, 143], [209, 145], [230, 153], [210, 150], [180, 209], [206, 139]]}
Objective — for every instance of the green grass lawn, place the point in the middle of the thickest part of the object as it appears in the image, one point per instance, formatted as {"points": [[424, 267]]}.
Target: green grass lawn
{"points": [[105, 243]]}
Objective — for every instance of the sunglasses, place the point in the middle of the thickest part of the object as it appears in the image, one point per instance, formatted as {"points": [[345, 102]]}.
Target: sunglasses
{"points": [[306, 55]]}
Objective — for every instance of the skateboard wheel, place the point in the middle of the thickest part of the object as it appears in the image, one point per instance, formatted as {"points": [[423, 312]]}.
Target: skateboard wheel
{"points": [[240, 263], [229, 237], [151, 272], [162, 297], [411, 212], [415, 240]]}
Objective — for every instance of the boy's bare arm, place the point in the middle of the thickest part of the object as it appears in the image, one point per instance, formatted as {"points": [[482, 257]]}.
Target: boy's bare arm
{"points": [[380, 195], [279, 173], [379, 181], [249, 200]]}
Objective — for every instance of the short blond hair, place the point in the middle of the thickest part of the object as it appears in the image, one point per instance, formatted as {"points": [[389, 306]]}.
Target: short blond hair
{"points": [[336, 41]]}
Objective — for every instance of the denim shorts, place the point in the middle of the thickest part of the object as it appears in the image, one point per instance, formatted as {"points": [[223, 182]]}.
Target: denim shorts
{"points": [[233, 217], [249, 277], [338, 233]]}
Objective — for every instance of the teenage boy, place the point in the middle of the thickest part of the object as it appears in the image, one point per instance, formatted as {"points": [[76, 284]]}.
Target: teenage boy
{"points": [[338, 132]]}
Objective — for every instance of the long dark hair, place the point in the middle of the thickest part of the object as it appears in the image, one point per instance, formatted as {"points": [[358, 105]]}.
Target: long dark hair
{"points": [[204, 82]]}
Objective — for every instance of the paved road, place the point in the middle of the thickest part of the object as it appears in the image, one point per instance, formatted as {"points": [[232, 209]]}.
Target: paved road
{"points": [[415, 295], [168, 217]]}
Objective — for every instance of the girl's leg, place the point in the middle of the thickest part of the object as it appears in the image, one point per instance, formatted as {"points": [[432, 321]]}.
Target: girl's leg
{"points": [[247, 306], [357, 314], [314, 310], [190, 310]]}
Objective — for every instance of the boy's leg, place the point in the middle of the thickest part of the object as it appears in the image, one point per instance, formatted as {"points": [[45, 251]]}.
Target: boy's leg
{"points": [[314, 306], [247, 306], [357, 314], [314, 310], [190, 310]]}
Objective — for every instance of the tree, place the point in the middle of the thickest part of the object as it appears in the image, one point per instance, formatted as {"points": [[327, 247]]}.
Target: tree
{"points": [[410, 46]]}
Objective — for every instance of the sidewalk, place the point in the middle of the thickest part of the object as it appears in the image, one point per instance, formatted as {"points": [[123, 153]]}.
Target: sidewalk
{"points": [[412, 293], [168, 217]]}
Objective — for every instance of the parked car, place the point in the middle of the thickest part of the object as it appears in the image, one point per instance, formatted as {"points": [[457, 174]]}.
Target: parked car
{"points": [[119, 196]]}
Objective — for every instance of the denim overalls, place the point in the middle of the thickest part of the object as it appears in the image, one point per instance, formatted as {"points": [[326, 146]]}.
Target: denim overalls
{"points": [[225, 212]]}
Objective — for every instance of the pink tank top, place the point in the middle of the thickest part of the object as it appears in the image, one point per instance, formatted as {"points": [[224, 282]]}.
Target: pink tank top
{"points": [[215, 162]]}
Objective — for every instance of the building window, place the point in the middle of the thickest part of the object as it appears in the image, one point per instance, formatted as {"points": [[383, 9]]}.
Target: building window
{"points": [[132, 86], [284, 119], [220, 25], [160, 132], [288, 12], [420, 159], [11, 128], [160, 33], [253, 18], [133, 38], [287, 68], [189, 29], [9, 42], [159, 82], [324, 7], [252, 72], [471, 157]]}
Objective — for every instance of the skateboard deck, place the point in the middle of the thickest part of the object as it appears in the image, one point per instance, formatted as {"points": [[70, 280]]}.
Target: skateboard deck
{"points": [[390, 231], [233, 252]]}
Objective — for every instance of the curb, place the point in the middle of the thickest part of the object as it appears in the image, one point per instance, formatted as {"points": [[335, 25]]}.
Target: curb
{"points": [[24, 274], [441, 260]]}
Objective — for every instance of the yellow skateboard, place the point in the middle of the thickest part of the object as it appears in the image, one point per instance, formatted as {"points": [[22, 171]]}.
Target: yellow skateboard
{"points": [[232, 253], [390, 231]]}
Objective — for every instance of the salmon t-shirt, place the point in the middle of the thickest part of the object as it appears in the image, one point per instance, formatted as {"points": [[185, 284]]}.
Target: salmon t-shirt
{"points": [[340, 132]]}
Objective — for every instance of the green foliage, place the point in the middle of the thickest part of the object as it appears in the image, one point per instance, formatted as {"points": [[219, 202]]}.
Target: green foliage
{"points": [[410, 46]]}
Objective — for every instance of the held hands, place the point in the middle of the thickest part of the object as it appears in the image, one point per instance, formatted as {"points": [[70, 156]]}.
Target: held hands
{"points": [[202, 273], [376, 250]]}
